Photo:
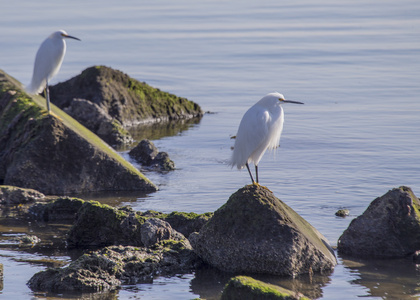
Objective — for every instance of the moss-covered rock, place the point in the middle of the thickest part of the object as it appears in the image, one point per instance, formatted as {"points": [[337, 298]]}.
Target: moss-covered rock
{"points": [[390, 227], [244, 287], [55, 154], [58, 209], [255, 232], [187, 223], [98, 225], [123, 99], [110, 267]]}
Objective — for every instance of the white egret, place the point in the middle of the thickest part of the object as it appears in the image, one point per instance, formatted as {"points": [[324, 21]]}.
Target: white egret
{"points": [[260, 129], [48, 61]]}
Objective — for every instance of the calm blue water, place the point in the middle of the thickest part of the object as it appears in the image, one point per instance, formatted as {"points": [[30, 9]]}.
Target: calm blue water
{"points": [[355, 64]]}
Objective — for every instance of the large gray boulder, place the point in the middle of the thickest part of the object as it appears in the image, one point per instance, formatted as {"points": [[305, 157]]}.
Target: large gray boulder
{"points": [[390, 227], [255, 232], [53, 153]]}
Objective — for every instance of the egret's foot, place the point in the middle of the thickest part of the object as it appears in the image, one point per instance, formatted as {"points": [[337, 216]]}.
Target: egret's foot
{"points": [[55, 116], [259, 185]]}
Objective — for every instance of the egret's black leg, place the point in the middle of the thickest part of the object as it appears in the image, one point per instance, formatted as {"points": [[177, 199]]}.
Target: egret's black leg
{"points": [[250, 174], [47, 90], [256, 172]]}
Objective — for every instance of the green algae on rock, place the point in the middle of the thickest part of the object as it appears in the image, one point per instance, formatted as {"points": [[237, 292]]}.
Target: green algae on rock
{"points": [[244, 287], [123, 101], [255, 232], [55, 154], [99, 225]]}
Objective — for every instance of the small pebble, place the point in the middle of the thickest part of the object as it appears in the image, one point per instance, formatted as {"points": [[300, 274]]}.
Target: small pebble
{"points": [[342, 213]]}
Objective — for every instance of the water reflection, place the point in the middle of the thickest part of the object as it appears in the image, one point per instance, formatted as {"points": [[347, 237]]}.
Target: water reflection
{"points": [[209, 282], [156, 131], [14, 224], [114, 198], [386, 279]]}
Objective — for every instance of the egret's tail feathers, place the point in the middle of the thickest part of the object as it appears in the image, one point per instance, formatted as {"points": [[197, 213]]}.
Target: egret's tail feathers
{"points": [[234, 162], [36, 87]]}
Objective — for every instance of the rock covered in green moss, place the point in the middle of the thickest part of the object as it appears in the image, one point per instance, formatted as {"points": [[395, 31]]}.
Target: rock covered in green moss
{"points": [[98, 225], [244, 287], [54, 154], [58, 209], [187, 223], [110, 267], [257, 233], [122, 99], [390, 227], [12, 195]]}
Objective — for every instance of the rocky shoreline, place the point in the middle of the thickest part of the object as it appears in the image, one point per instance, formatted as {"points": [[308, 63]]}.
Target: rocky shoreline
{"points": [[254, 232], [123, 246]]}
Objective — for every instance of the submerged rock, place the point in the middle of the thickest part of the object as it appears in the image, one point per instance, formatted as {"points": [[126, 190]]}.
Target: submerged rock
{"points": [[11, 195], [123, 101], [29, 239], [110, 267], [244, 287], [390, 227], [257, 233], [54, 154], [148, 155]]}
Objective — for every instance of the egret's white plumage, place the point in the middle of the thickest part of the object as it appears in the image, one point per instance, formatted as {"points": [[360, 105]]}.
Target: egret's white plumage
{"points": [[48, 61], [260, 129]]}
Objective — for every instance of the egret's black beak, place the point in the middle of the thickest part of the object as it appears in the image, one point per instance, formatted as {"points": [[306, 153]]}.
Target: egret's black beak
{"points": [[291, 101], [70, 37]]}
